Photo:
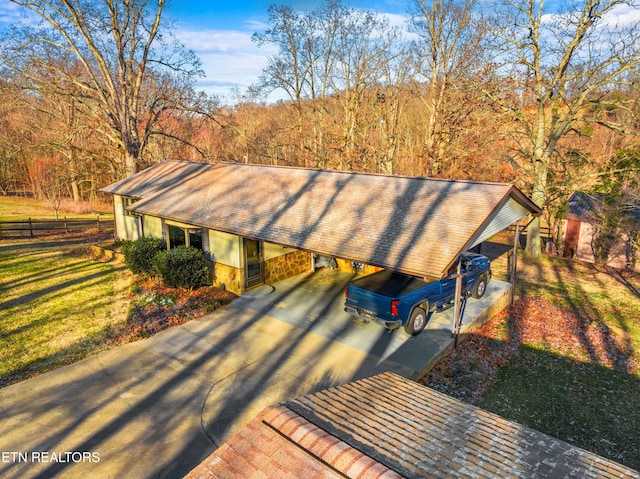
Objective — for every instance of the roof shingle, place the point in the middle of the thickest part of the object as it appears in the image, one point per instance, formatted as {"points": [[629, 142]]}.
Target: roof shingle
{"points": [[409, 224]]}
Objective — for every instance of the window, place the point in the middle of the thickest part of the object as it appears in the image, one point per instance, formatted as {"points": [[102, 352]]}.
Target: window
{"points": [[195, 237], [176, 236], [126, 202], [179, 236]]}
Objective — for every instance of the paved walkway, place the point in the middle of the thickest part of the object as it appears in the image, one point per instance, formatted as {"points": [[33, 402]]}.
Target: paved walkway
{"points": [[158, 407]]}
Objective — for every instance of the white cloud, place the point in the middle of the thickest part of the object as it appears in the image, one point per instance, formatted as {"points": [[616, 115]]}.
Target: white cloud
{"points": [[10, 13], [229, 58], [623, 16], [396, 20], [620, 16]]}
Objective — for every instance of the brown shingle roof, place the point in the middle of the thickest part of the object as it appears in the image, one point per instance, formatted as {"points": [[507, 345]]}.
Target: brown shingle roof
{"points": [[387, 426], [156, 179], [414, 225], [420, 432]]}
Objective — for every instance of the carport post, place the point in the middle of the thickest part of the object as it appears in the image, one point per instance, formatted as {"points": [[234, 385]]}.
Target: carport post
{"points": [[455, 327], [514, 263]]}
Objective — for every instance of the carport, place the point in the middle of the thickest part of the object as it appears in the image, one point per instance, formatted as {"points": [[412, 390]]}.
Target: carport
{"points": [[314, 303]]}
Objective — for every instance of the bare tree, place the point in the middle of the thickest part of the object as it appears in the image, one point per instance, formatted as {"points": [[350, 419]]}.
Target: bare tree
{"points": [[113, 58], [447, 57], [391, 100], [366, 44], [12, 139], [563, 63], [48, 180], [327, 57], [303, 66]]}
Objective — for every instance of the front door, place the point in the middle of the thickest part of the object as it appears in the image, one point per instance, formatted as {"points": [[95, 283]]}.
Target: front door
{"points": [[254, 267], [571, 239]]}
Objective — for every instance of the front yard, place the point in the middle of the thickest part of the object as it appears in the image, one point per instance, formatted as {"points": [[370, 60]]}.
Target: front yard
{"points": [[563, 360], [60, 304]]}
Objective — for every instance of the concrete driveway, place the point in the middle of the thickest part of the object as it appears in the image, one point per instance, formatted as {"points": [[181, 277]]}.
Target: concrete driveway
{"points": [[158, 407]]}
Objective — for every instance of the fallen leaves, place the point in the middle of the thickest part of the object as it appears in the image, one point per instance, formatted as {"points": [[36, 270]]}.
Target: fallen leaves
{"points": [[472, 367], [156, 307], [547, 326]]}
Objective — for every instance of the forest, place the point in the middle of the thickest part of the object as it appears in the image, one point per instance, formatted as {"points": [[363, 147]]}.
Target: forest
{"points": [[541, 95]]}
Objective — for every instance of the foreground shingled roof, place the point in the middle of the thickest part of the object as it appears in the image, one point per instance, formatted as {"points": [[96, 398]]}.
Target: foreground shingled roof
{"points": [[389, 427], [415, 225]]}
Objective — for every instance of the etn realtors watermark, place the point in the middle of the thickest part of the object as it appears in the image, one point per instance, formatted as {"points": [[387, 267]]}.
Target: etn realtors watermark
{"points": [[49, 456]]}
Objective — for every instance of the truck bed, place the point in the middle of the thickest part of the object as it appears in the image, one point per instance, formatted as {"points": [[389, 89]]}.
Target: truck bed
{"points": [[390, 284]]}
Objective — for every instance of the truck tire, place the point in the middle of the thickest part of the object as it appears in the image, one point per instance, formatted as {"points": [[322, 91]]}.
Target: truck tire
{"points": [[417, 322], [480, 287]]}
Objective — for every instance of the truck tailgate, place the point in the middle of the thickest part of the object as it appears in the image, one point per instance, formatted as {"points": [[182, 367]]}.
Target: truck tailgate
{"points": [[366, 298]]}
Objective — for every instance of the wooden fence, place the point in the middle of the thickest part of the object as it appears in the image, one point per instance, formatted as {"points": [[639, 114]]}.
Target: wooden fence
{"points": [[545, 234], [38, 227]]}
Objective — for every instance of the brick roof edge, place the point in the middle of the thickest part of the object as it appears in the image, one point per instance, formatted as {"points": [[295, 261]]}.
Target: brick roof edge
{"points": [[324, 446]]}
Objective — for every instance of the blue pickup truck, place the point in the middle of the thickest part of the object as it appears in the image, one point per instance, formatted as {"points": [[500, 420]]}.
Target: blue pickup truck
{"points": [[395, 299]]}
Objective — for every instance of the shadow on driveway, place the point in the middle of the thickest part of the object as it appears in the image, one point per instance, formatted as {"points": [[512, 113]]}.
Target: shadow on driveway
{"points": [[158, 407]]}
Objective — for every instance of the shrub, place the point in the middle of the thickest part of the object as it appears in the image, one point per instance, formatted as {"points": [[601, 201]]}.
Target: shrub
{"points": [[75, 207], [138, 254], [182, 267]]}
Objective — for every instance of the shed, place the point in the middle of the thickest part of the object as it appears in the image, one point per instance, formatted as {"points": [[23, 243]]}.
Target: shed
{"points": [[247, 216], [584, 215]]}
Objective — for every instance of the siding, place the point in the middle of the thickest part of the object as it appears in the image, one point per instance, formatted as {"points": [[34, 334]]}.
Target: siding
{"points": [[510, 213], [127, 227], [152, 226], [270, 250], [226, 248]]}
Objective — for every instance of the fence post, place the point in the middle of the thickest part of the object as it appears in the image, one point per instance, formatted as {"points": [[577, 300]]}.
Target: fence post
{"points": [[66, 226], [98, 216], [30, 227]]}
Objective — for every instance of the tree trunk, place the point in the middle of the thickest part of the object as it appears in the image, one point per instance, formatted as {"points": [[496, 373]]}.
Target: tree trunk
{"points": [[130, 163], [534, 243], [75, 190]]}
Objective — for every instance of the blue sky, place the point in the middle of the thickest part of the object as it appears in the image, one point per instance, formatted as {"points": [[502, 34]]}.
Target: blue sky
{"points": [[219, 32]]}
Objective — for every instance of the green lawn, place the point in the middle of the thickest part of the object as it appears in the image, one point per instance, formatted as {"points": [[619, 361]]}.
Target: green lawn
{"points": [[59, 304], [56, 307], [578, 377], [590, 406], [18, 208]]}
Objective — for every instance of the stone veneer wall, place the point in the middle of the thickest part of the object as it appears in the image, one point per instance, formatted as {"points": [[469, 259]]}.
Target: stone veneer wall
{"points": [[287, 265], [232, 278], [346, 265]]}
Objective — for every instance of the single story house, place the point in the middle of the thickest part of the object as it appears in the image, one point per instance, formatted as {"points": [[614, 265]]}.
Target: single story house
{"points": [[388, 427], [584, 214], [260, 224]]}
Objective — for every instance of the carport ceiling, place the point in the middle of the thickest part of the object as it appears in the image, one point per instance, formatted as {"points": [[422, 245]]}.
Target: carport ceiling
{"points": [[414, 225]]}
